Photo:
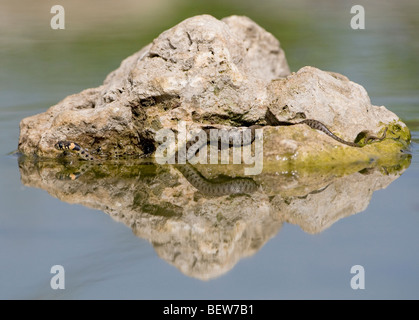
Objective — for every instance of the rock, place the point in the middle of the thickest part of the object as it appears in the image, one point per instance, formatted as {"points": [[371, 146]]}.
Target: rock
{"points": [[226, 72], [200, 69], [329, 97]]}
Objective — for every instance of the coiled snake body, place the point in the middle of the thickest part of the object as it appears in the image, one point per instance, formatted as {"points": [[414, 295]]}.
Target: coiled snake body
{"points": [[235, 134]]}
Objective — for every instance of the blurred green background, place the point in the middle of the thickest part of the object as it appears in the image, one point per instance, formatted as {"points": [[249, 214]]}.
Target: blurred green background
{"points": [[44, 65]]}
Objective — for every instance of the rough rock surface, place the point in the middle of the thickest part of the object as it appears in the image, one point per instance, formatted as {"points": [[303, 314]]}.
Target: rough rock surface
{"points": [[201, 70], [205, 71], [329, 97]]}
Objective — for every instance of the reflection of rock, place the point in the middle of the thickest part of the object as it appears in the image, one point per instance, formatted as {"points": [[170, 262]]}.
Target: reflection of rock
{"points": [[213, 234], [205, 236], [318, 210], [219, 72]]}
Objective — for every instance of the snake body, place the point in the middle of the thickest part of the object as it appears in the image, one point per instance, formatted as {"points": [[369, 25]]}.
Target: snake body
{"points": [[74, 147], [234, 136], [242, 136], [272, 120], [314, 124], [231, 137]]}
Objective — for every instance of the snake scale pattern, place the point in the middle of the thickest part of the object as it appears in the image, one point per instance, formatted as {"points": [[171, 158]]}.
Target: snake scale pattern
{"points": [[242, 135]]}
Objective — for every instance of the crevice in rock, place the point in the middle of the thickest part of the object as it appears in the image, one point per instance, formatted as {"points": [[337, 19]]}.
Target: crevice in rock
{"points": [[189, 38], [167, 101], [87, 105], [164, 101], [231, 118], [156, 55], [171, 45], [146, 142]]}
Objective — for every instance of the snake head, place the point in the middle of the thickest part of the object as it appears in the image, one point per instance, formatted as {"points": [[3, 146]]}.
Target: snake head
{"points": [[59, 145]]}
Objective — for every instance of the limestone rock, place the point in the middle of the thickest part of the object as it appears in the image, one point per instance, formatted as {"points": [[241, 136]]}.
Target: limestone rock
{"points": [[201, 69], [227, 72], [331, 98]]}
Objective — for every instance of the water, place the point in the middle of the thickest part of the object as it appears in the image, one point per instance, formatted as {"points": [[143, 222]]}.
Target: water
{"points": [[105, 258]]}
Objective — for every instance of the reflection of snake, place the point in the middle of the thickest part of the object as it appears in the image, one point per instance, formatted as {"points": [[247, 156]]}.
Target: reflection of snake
{"points": [[217, 188], [205, 186]]}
